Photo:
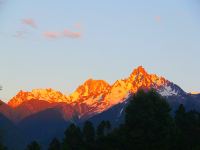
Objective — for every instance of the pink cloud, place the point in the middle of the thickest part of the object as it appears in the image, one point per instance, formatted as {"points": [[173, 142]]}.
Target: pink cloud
{"points": [[65, 33], [51, 35], [30, 22], [158, 18], [78, 26], [71, 34]]}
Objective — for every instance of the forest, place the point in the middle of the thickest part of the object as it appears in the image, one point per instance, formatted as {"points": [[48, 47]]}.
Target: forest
{"points": [[149, 125]]}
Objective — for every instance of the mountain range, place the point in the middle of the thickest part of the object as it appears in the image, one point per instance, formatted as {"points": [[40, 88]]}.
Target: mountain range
{"points": [[43, 114]]}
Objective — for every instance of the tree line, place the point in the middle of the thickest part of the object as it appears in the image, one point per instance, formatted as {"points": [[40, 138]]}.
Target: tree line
{"points": [[148, 125]]}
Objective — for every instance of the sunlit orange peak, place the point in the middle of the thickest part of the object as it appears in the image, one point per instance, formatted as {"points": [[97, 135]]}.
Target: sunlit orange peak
{"points": [[97, 94], [49, 95], [195, 93], [90, 88]]}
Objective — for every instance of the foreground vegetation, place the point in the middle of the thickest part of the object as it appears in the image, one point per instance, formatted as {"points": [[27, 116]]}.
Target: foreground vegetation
{"points": [[148, 126]]}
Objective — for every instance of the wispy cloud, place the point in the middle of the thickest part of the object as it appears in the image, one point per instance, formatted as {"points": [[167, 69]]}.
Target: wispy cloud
{"points": [[29, 22], [51, 34], [78, 26], [66, 33], [71, 34], [158, 19]]}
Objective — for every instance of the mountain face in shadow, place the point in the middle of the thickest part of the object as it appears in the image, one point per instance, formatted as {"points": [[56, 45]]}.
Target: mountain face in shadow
{"points": [[90, 98], [10, 133], [44, 126], [43, 114]]}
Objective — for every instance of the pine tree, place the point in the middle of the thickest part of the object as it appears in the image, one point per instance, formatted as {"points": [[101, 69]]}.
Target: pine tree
{"points": [[33, 146], [89, 135], [55, 145], [180, 116], [107, 126], [88, 132], [148, 122], [2, 147], [101, 129], [188, 126], [73, 138]]}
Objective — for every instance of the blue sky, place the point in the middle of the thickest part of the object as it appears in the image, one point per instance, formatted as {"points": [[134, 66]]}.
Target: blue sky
{"points": [[60, 43]]}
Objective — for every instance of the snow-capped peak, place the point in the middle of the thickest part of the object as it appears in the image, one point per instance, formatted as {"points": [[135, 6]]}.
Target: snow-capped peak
{"points": [[167, 91], [98, 95], [49, 95]]}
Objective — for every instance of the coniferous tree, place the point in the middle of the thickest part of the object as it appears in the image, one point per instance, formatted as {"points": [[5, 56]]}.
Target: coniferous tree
{"points": [[88, 132], [180, 116], [2, 147], [73, 138], [33, 146], [89, 135], [65, 145], [148, 121], [180, 119], [55, 145], [107, 126], [188, 125], [101, 129]]}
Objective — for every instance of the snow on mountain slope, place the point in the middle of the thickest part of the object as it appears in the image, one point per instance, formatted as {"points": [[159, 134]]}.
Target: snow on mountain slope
{"points": [[96, 96], [48, 95]]}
